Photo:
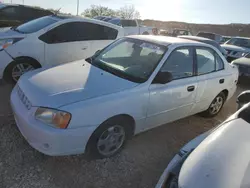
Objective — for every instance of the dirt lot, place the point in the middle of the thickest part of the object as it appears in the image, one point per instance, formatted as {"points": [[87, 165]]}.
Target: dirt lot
{"points": [[139, 165]]}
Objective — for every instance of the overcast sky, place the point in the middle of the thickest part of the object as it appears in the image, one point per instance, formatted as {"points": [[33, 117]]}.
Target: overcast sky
{"points": [[195, 11]]}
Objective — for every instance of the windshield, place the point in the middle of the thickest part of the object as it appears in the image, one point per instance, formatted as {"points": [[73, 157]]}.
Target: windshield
{"points": [[36, 25], [115, 21], [242, 42], [131, 59]]}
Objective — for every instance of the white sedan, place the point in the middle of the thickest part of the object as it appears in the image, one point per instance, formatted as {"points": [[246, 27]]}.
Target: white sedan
{"points": [[218, 158], [50, 41], [134, 84]]}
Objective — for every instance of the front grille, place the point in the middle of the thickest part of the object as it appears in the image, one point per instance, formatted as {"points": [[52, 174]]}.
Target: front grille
{"points": [[23, 98]]}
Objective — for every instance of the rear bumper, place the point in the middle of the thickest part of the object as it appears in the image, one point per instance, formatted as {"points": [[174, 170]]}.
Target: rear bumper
{"points": [[46, 139], [5, 60]]}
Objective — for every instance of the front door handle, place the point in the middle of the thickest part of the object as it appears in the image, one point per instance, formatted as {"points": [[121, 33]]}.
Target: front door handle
{"points": [[84, 48], [190, 88], [222, 81]]}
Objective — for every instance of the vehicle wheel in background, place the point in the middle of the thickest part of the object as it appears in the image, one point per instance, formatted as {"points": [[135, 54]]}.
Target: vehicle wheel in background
{"points": [[18, 67], [145, 33], [216, 106], [108, 139]]}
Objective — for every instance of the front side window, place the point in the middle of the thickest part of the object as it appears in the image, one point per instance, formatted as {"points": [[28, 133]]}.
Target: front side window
{"points": [[180, 63], [36, 25], [205, 61], [132, 59]]}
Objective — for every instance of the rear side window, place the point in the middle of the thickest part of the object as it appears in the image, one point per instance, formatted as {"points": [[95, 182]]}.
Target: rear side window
{"points": [[180, 63], [79, 31], [205, 61], [219, 63], [208, 61]]}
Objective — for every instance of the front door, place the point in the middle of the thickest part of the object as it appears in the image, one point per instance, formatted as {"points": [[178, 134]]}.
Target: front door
{"points": [[174, 100]]}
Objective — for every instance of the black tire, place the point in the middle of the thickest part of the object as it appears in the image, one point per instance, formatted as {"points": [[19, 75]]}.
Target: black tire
{"points": [[209, 112], [92, 150], [8, 77], [145, 33]]}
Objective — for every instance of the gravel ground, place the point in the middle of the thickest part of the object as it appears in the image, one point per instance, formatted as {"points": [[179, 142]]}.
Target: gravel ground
{"points": [[140, 164]]}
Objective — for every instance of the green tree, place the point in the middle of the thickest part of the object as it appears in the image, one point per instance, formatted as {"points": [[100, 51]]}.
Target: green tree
{"points": [[97, 10]]}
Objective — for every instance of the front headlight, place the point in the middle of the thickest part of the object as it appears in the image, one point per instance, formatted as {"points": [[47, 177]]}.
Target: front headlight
{"points": [[5, 43], [240, 54], [55, 118]]}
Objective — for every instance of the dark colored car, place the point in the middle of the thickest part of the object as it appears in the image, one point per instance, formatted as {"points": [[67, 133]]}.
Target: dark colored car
{"points": [[212, 36], [207, 41], [14, 15]]}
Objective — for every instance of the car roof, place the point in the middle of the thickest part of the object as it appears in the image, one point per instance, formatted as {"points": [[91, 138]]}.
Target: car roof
{"points": [[195, 38], [70, 18], [166, 41]]}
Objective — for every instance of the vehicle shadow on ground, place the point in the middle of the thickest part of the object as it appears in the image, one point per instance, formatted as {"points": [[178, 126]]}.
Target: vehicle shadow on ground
{"points": [[139, 165]]}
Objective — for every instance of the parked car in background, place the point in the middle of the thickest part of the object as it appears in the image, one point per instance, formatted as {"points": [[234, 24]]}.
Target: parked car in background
{"points": [[177, 32], [51, 41], [225, 39], [207, 41], [14, 15], [212, 36], [218, 158], [243, 99], [132, 27], [243, 65], [133, 85], [237, 47]]}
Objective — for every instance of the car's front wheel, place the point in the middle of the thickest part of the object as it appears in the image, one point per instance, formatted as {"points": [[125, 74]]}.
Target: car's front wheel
{"points": [[17, 68], [216, 106], [108, 139]]}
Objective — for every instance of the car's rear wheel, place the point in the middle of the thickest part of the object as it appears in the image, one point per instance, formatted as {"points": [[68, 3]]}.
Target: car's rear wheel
{"points": [[17, 68], [108, 139], [216, 106]]}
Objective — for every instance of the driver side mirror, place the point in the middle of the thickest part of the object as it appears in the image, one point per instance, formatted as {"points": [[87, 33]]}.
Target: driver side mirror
{"points": [[163, 78]]}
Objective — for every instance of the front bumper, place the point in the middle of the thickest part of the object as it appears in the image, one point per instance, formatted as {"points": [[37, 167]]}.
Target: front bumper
{"points": [[167, 172], [5, 60], [46, 139]]}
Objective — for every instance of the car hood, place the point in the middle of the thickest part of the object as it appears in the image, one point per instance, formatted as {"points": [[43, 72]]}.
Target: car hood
{"points": [[6, 33], [242, 61], [222, 160], [235, 48], [69, 83]]}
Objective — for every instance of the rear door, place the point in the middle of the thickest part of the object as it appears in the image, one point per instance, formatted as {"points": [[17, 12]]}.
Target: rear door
{"points": [[66, 43], [211, 75]]}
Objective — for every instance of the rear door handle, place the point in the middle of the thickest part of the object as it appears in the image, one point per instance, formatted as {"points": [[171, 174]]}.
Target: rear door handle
{"points": [[84, 48], [222, 81], [190, 88]]}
